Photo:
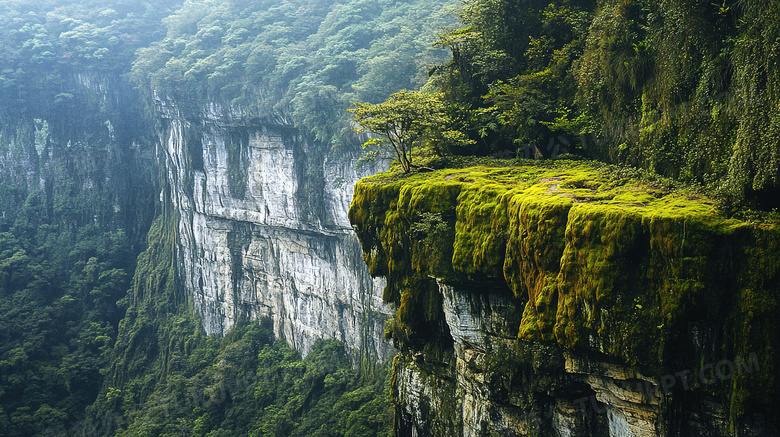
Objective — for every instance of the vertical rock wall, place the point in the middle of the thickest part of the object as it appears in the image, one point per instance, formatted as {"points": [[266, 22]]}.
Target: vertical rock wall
{"points": [[263, 231], [87, 162]]}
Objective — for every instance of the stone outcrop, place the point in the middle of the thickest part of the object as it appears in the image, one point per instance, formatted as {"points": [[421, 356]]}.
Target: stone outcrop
{"points": [[554, 300]]}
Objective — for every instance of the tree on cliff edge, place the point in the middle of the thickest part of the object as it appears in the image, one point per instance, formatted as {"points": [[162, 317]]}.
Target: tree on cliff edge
{"points": [[408, 119]]}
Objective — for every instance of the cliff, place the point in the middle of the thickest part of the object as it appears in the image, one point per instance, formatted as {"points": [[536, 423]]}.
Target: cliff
{"points": [[250, 101], [84, 162], [263, 230], [571, 299], [75, 208]]}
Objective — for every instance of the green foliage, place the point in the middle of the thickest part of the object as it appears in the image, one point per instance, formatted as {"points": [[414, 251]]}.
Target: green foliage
{"points": [[408, 119], [289, 59], [261, 387], [45, 44], [58, 319], [511, 65], [682, 88], [166, 377], [319, 395]]}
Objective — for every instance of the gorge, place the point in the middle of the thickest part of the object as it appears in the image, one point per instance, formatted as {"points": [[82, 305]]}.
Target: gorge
{"points": [[192, 241]]}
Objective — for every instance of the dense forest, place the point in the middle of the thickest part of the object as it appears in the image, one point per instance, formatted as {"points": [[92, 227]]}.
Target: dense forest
{"points": [[686, 89], [302, 60], [69, 235]]}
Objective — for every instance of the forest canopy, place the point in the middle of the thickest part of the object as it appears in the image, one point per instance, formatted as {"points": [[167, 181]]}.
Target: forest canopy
{"points": [[294, 60], [684, 88], [43, 44]]}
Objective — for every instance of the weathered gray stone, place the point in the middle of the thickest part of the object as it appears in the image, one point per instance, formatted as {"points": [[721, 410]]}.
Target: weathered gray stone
{"points": [[251, 245]]}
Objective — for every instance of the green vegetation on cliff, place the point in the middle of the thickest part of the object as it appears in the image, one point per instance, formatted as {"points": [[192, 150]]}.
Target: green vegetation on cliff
{"points": [[45, 45], [603, 262], [167, 377], [304, 60], [684, 88]]}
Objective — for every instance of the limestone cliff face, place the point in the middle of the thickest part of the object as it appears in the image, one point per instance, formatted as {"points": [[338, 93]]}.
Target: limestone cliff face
{"points": [[263, 231], [560, 300], [84, 161]]}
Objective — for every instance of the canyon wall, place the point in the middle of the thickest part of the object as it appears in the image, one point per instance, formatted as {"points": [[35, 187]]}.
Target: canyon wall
{"points": [[263, 230], [85, 161]]}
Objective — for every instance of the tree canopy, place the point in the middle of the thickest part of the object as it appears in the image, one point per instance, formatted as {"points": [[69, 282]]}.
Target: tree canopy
{"points": [[45, 44], [684, 88], [407, 119], [301, 62]]}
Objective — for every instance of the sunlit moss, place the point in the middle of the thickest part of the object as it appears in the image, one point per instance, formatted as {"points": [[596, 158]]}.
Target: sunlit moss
{"points": [[614, 266]]}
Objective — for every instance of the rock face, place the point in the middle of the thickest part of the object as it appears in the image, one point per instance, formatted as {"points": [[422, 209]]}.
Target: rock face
{"points": [[88, 163], [554, 301], [263, 231]]}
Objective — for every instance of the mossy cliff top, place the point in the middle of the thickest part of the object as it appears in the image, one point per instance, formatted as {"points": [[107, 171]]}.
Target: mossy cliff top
{"points": [[656, 279]]}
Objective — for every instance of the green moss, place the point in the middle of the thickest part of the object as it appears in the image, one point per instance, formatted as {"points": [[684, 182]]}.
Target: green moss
{"points": [[481, 231], [601, 264], [753, 324], [537, 224], [405, 254]]}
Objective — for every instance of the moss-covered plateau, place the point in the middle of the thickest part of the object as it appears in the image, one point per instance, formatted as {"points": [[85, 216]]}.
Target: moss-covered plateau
{"points": [[651, 278]]}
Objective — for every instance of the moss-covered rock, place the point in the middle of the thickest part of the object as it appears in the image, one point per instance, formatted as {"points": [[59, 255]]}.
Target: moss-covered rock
{"points": [[618, 268]]}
